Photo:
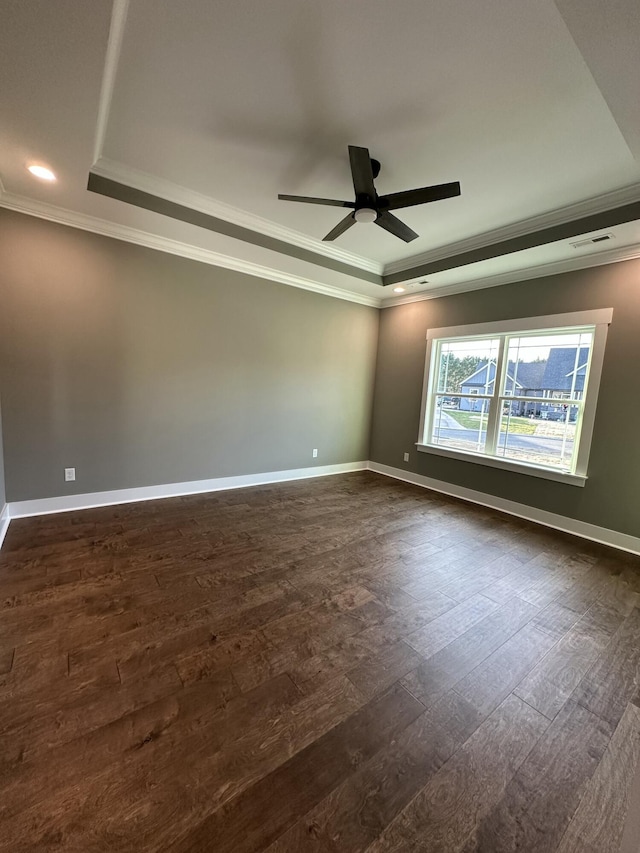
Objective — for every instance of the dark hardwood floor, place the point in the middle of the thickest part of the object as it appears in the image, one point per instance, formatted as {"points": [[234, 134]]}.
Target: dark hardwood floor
{"points": [[340, 665]]}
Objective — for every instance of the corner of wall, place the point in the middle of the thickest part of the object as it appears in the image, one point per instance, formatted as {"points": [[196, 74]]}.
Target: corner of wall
{"points": [[4, 507], [4, 522]]}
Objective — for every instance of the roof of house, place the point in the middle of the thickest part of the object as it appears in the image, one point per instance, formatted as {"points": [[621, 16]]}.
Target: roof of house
{"points": [[553, 374], [528, 374], [561, 365]]}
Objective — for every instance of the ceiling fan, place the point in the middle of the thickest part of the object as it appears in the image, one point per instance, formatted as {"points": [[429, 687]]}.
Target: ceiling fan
{"points": [[369, 206]]}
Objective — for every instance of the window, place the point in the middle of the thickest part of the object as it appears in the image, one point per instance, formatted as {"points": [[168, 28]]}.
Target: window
{"points": [[525, 393]]}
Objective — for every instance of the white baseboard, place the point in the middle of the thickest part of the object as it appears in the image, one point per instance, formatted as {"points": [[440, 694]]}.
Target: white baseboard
{"points": [[5, 517], [69, 503], [622, 541]]}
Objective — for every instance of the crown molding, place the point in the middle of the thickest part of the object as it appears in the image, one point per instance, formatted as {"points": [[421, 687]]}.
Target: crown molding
{"points": [[194, 200], [579, 210], [597, 259], [84, 222]]}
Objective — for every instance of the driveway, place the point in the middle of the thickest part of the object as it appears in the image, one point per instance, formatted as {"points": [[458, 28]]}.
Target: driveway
{"points": [[443, 420]]}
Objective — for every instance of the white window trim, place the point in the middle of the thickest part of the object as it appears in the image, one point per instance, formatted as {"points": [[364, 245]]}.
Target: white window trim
{"points": [[600, 318]]}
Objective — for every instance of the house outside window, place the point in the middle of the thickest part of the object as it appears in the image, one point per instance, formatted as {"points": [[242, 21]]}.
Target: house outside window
{"points": [[520, 394]]}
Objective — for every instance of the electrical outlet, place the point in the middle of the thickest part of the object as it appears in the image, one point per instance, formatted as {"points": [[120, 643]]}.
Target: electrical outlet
{"points": [[406, 457], [69, 475], [315, 452]]}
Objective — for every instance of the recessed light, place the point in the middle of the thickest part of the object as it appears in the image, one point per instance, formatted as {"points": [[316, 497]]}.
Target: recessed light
{"points": [[42, 172], [398, 289]]}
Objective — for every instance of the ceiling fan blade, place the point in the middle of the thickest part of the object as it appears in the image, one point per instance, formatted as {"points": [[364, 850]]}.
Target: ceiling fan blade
{"points": [[340, 228], [408, 198], [309, 200], [361, 171], [393, 225]]}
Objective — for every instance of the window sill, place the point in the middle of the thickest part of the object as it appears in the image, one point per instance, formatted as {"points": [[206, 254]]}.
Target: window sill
{"points": [[505, 464]]}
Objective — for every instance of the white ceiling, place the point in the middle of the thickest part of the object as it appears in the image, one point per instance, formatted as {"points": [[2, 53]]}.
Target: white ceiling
{"points": [[222, 105]]}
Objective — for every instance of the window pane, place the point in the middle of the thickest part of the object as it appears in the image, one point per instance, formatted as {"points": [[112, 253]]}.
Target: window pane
{"points": [[550, 367], [548, 442], [467, 367], [461, 426], [536, 404]]}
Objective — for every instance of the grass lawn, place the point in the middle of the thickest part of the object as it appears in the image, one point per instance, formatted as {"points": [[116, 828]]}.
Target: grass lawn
{"points": [[471, 420]]}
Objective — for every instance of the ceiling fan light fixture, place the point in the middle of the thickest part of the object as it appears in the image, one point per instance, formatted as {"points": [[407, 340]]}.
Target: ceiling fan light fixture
{"points": [[365, 214]]}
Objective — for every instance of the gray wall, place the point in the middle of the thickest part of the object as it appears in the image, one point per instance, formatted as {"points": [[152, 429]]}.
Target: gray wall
{"points": [[140, 368], [611, 497]]}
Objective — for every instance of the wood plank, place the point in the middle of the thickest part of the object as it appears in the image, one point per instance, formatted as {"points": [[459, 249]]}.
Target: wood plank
{"points": [[436, 569], [630, 841], [6, 660], [410, 618], [441, 631], [192, 773], [313, 657], [443, 815], [554, 679], [491, 682], [313, 671], [541, 566], [453, 662], [205, 711], [612, 681], [377, 673], [598, 824], [356, 812], [75, 706], [560, 581], [310, 672], [542, 797], [589, 586], [34, 667], [555, 619], [469, 583], [270, 806]]}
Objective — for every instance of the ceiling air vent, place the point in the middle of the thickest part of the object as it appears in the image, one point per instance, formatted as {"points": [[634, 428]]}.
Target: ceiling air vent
{"points": [[600, 238]]}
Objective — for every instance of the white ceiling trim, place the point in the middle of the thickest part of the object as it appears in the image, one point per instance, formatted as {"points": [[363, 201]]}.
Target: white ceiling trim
{"points": [[50, 212], [599, 204], [205, 204], [116, 35], [596, 259], [95, 225]]}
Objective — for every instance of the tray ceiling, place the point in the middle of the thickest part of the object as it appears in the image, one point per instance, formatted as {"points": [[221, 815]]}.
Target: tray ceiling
{"points": [[217, 107]]}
